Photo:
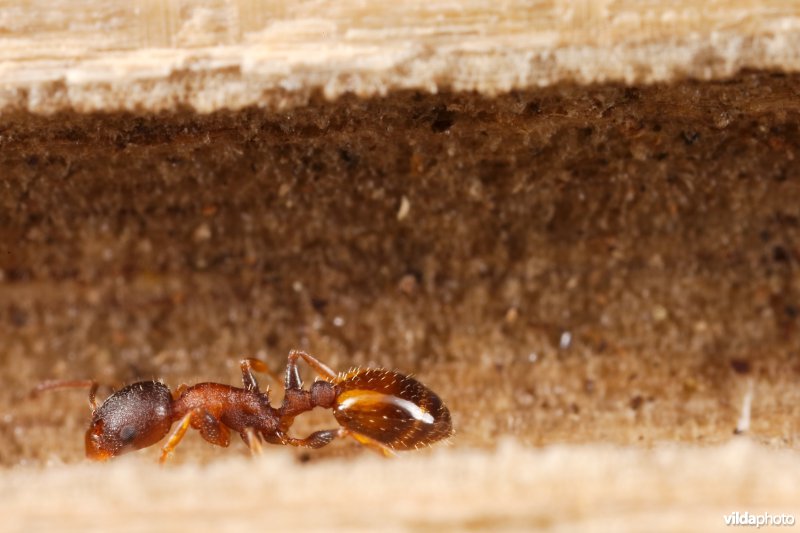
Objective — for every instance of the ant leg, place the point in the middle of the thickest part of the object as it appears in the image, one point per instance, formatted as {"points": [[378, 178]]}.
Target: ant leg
{"points": [[369, 442], [176, 436], [211, 429], [318, 439], [293, 380], [248, 365], [69, 384], [251, 437]]}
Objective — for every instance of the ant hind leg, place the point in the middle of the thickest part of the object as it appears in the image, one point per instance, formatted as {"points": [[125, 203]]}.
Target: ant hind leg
{"points": [[293, 380], [318, 439], [372, 444]]}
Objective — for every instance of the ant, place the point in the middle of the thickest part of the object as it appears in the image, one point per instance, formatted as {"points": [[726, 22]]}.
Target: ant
{"points": [[383, 410]]}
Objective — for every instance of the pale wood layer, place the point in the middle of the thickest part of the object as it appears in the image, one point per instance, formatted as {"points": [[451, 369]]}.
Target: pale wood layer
{"points": [[561, 488], [152, 55]]}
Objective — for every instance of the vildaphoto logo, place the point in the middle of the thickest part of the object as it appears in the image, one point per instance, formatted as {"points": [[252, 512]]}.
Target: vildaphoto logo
{"points": [[758, 520]]}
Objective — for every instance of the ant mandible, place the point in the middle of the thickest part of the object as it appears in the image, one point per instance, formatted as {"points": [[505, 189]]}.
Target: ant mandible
{"points": [[383, 410]]}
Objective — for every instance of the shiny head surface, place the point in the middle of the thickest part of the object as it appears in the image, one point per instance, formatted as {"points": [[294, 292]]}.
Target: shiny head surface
{"points": [[134, 417]]}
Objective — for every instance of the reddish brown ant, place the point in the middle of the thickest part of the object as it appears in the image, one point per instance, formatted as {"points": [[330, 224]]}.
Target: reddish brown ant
{"points": [[381, 409]]}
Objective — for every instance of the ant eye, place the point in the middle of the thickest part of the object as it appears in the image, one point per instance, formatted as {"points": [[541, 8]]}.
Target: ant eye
{"points": [[127, 433]]}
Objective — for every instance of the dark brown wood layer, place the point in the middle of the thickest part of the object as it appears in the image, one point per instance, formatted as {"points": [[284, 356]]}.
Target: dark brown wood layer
{"points": [[566, 264]]}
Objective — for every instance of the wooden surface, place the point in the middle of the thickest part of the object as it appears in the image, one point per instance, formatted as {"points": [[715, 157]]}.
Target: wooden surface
{"points": [[564, 264], [214, 54], [561, 488], [603, 274]]}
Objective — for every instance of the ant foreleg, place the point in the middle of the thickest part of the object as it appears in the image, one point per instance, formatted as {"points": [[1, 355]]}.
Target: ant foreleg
{"points": [[293, 380], [70, 384], [209, 426], [176, 436], [248, 365]]}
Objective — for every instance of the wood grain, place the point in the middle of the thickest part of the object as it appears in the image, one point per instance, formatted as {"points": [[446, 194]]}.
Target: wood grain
{"points": [[569, 488], [215, 54]]}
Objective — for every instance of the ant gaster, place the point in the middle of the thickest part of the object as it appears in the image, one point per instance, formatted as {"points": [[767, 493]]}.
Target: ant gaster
{"points": [[381, 409]]}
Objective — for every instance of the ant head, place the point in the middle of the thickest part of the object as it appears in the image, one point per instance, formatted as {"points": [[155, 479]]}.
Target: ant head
{"points": [[98, 446], [134, 417]]}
